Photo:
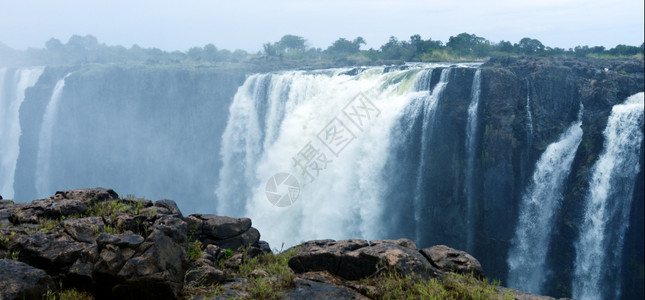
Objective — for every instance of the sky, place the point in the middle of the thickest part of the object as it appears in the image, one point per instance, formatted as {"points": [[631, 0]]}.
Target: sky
{"points": [[248, 24]]}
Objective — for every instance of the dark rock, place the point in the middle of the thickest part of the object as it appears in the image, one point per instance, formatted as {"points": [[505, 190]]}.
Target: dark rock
{"points": [[307, 289], [170, 206], [356, 259], [19, 280], [407, 243], [49, 251], [111, 260], [219, 228], [225, 232], [124, 240], [213, 253], [400, 259], [450, 260], [253, 251], [234, 261], [62, 204], [137, 224], [92, 196], [264, 246], [84, 229], [204, 276], [248, 238]]}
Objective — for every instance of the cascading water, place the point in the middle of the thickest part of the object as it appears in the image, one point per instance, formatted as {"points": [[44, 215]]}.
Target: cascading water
{"points": [[12, 94], [276, 120], [600, 244], [429, 107], [529, 116], [471, 133], [45, 138], [541, 201]]}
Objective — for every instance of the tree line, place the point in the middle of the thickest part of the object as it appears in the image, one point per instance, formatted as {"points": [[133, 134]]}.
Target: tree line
{"points": [[461, 47]]}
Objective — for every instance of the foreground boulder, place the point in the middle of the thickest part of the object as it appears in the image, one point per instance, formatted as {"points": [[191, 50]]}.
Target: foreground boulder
{"points": [[358, 259], [225, 232], [93, 240], [19, 280], [451, 260]]}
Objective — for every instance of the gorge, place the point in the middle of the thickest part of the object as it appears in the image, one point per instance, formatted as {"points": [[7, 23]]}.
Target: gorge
{"points": [[532, 165]]}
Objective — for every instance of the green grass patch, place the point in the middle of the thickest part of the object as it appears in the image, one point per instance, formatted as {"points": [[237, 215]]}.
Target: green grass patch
{"points": [[70, 294], [391, 285]]}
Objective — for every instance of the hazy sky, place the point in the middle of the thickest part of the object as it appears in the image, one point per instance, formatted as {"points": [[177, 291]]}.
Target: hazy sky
{"points": [[247, 24]]}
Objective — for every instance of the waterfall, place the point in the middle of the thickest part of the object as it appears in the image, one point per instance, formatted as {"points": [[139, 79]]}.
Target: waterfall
{"points": [[471, 133], [529, 117], [539, 204], [45, 139], [279, 119], [429, 107], [607, 204], [12, 94]]}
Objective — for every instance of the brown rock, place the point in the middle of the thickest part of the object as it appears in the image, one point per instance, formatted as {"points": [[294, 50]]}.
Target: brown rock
{"points": [[450, 260]]}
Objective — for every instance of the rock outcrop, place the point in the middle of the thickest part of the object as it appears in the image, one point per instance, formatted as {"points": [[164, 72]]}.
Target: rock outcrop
{"points": [[94, 241]]}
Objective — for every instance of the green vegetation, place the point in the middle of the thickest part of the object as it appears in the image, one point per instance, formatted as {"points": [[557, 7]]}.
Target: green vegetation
{"points": [[71, 294], [292, 50], [228, 253], [278, 277], [391, 285], [386, 285]]}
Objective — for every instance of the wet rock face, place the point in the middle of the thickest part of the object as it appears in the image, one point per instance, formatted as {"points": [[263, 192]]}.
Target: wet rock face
{"points": [[93, 240]]}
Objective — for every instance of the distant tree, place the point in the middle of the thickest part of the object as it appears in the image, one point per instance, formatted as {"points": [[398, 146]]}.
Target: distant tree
{"points": [[195, 53], [86, 43], [343, 46], [504, 46], [270, 49], [625, 50], [466, 44], [210, 53], [530, 46], [238, 55], [421, 46], [393, 49], [54, 45], [292, 43]]}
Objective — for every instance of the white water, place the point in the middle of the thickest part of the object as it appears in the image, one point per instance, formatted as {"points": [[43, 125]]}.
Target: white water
{"points": [[540, 202], [45, 139], [471, 133], [11, 97], [429, 103], [529, 116], [608, 202], [275, 116]]}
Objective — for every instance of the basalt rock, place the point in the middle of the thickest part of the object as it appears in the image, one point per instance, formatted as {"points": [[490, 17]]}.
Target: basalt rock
{"points": [[358, 259], [19, 280], [225, 232], [450, 260]]}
